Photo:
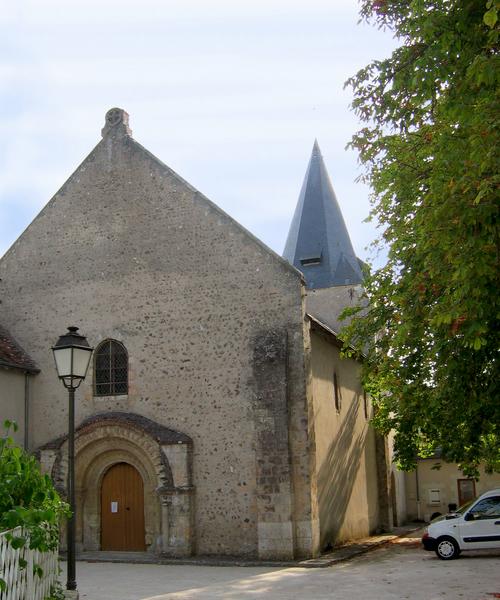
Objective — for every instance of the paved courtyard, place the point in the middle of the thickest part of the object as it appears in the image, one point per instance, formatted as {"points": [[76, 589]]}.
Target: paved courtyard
{"points": [[400, 570]]}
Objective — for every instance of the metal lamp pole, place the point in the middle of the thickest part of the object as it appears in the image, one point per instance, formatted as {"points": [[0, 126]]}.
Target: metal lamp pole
{"points": [[71, 579], [72, 356]]}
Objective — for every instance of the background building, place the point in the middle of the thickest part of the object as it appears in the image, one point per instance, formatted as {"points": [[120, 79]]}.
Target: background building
{"points": [[437, 486], [17, 370]]}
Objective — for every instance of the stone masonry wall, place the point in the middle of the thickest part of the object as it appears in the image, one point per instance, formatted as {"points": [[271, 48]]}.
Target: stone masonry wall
{"points": [[128, 250]]}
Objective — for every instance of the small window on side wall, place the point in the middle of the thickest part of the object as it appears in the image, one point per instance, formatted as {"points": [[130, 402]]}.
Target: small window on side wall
{"points": [[110, 369], [365, 404], [336, 392]]}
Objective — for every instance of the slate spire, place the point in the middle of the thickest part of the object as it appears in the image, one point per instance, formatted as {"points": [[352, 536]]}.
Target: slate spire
{"points": [[318, 243]]}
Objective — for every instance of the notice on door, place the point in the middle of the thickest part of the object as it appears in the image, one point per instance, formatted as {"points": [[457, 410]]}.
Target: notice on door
{"points": [[114, 507]]}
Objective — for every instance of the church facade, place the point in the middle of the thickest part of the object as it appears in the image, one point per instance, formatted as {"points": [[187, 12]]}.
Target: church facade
{"points": [[217, 416]]}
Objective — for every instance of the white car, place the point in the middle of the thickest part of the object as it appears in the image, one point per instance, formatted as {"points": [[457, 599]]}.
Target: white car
{"points": [[474, 526]]}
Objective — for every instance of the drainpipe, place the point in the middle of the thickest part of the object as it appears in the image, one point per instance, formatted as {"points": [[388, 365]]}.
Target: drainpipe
{"points": [[26, 409], [418, 492]]}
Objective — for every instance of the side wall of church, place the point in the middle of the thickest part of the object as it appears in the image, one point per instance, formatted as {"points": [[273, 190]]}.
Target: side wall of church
{"points": [[127, 250], [348, 493]]}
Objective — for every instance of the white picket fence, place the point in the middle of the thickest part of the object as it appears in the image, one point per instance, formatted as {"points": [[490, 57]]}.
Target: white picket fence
{"points": [[22, 583]]}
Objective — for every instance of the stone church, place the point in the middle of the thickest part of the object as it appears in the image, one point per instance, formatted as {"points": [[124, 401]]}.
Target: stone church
{"points": [[217, 416]]}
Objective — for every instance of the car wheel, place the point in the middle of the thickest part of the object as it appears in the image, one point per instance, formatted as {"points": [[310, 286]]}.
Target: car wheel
{"points": [[447, 548]]}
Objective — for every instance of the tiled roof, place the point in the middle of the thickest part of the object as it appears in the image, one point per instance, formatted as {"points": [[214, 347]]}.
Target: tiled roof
{"points": [[161, 434], [12, 355]]}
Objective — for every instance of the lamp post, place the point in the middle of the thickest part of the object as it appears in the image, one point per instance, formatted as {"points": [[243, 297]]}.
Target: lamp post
{"points": [[72, 356]]}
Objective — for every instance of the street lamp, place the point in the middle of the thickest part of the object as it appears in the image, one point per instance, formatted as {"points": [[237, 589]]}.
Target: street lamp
{"points": [[72, 356]]}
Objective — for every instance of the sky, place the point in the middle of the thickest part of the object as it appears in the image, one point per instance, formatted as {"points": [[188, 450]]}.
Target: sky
{"points": [[229, 94]]}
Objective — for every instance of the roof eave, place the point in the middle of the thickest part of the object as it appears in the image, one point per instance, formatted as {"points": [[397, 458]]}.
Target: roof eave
{"points": [[320, 326], [24, 368]]}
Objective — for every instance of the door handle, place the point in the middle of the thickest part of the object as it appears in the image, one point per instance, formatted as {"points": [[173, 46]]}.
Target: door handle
{"points": [[128, 508]]}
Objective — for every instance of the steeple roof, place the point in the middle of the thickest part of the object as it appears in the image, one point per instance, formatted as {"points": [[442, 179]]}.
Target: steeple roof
{"points": [[318, 243]]}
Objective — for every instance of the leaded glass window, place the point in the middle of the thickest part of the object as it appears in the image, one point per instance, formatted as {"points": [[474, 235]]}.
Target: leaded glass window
{"points": [[110, 369]]}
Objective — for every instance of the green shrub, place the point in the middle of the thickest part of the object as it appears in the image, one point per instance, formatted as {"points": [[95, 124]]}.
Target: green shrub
{"points": [[27, 499], [56, 592]]}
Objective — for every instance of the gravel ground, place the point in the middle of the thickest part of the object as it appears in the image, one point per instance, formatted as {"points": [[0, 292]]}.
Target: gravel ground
{"points": [[399, 570]]}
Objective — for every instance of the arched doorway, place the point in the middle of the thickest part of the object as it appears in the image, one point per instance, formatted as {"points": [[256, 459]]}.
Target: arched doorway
{"points": [[122, 509], [163, 459]]}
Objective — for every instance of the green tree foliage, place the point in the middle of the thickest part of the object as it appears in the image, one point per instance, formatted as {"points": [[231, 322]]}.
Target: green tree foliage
{"points": [[429, 144], [27, 499]]}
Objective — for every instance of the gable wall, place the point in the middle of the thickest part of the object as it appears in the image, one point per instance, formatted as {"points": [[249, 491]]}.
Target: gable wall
{"points": [[127, 250]]}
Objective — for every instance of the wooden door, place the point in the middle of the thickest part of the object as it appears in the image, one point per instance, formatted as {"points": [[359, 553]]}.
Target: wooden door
{"points": [[466, 490], [122, 509]]}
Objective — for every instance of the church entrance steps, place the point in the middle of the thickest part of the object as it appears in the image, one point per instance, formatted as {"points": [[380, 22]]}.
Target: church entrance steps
{"points": [[118, 557], [338, 554]]}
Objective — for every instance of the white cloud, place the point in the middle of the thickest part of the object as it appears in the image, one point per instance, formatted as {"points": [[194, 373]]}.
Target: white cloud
{"points": [[230, 94]]}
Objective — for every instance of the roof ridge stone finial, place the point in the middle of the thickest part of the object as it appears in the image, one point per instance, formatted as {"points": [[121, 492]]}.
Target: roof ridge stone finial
{"points": [[116, 124]]}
